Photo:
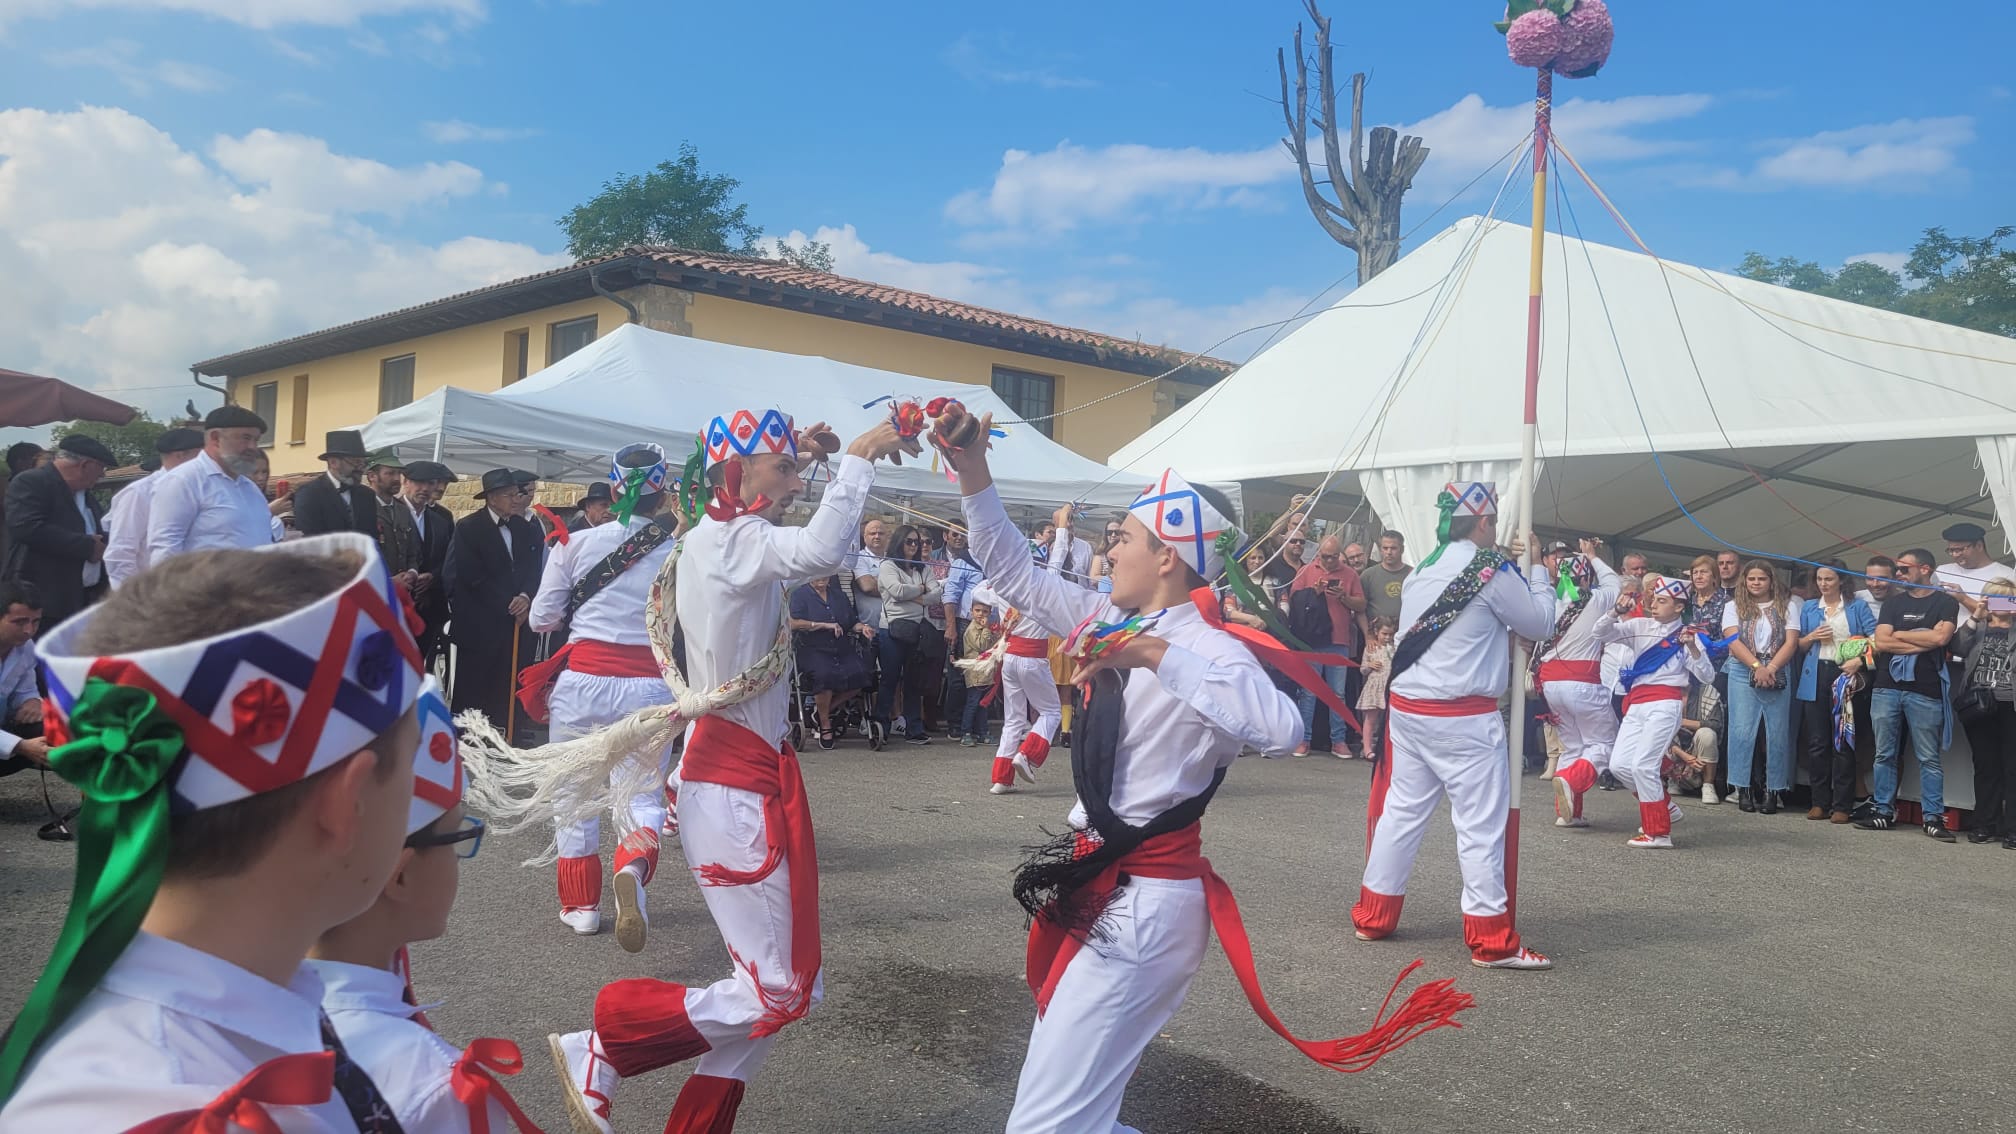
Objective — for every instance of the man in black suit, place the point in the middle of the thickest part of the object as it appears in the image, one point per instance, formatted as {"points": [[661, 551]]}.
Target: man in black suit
{"points": [[594, 508], [424, 530], [338, 500], [56, 531], [493, 571]]}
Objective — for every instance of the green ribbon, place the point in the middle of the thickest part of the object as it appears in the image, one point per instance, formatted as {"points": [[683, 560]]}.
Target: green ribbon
{"points": [[693, 483], [1446, 505], [124, 749], [1250, 596], [626, 500]]}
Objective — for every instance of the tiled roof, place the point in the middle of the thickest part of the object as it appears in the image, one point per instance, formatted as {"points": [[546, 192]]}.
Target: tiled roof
{"points": [[749, 278]]}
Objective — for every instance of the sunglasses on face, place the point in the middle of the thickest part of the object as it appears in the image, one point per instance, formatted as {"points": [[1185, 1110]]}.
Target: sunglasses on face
{"points": [[469, 833]]}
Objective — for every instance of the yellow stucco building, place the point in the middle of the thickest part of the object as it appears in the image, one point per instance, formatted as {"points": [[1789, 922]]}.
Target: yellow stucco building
{"points": [[486, 339]]}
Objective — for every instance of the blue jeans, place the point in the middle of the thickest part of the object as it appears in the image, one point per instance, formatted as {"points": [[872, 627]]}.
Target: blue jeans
{"points": [[1334, 676], [973, 722], [1896, 710], [1748, 706]]}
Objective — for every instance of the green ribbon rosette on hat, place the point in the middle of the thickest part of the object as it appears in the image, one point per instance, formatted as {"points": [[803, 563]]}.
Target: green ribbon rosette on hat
{"points": [[1445, 505], [124, 750]]}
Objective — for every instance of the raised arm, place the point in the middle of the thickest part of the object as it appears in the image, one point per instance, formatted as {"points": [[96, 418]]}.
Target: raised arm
{"points": [[1228, 687], [1044, 597], [760, 552], [1525, 605]]}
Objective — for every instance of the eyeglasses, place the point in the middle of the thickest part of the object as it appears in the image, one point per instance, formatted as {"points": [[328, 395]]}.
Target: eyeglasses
{"points": [[470, 832]]}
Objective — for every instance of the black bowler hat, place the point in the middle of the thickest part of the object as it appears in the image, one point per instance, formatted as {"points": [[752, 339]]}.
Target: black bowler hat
{"points": [[178, 441], [496, 479], [428, 472], [87, 448], [1964, 533], [344, 443], [598, 491]]}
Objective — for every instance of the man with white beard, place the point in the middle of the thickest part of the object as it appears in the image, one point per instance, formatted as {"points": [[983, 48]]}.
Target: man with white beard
{"points": [[211, 502]]}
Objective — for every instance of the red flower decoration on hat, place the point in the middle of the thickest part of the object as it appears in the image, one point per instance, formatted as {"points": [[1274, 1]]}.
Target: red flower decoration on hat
{"points": [[441, 748], [54, 731], [376, 658], [259, 713]]}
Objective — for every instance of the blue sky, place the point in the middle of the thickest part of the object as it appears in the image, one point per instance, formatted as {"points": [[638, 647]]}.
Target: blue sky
{"points": [[180, 178]]}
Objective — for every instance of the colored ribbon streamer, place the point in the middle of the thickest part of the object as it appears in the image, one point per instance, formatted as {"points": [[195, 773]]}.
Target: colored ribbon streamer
{"points": [[1298, 666], [122, 750], [290, 1080], [1249, 593], [556, 530], [475, 1083], [633, 488], [1445, 507], [1844, 713]]}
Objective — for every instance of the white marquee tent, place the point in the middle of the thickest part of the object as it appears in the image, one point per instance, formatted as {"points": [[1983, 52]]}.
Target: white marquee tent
{"points": [[1812, 427], [471, 432]]}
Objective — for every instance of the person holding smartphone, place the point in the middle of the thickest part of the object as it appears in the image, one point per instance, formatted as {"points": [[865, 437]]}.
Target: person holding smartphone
{"points": [[1344, 597]]}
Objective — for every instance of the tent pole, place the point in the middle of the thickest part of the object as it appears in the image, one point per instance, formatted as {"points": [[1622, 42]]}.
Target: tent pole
{"points": [[1543, 107]]}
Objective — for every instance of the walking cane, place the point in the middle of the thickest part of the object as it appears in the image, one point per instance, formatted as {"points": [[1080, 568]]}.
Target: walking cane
{"points": [[511, 688]]}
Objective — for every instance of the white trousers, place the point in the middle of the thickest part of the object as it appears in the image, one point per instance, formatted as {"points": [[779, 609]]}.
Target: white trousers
{"points": [[1027, 686], [1588, 722], [1114, 998], [1464, 758], [1642, 740], [579, 704], [724, 825]]}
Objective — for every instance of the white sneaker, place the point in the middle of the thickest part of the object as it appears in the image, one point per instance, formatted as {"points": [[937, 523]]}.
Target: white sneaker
{"points": [[1000, 789], [1564, 806], [1523, 959], [1023, 770], [1643, 841], [1570, 821], [1673, 811], [631, 919], [1708, 793], [585, 922], [591, 1082]]}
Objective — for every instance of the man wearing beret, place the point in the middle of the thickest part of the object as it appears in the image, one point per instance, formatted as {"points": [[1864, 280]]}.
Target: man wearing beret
{"points": [[211, 502], [1971, 569], [126, 554], [425, 482], [338, 500], [56, 532], [494, 565]]}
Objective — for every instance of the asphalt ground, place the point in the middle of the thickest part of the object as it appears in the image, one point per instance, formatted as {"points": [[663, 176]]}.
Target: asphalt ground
{"points": [[1770, 974]]}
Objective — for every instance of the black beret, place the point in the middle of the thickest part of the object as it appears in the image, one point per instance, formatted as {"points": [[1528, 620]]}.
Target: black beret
{"points": [[178, 440], [87, 447], [1964, 533], [233, 417]]}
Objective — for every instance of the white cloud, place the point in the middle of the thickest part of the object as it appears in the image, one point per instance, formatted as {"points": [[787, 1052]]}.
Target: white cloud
{"points": [[121, 59], [267, 237], [455, 131], [996, 64], [1471, 134], [1894, 261], [262, 14], [1057, 190], [1907, 153]]}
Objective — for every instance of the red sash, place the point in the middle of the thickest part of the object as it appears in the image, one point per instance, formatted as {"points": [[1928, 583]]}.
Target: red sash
{"points": [[1590, 672], [722, 752], [1645, 691], [290, 1080], [1020, 647], [1454, 707], [475, 1083], [1293, 664], [1179, 854], [598, 659]]}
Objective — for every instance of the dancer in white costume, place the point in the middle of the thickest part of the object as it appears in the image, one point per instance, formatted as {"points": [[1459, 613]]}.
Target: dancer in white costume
{"points": [[1174, 699], [1569, 667], [1031, 711], [1444, 734], [596, 583], [1665, 659]]}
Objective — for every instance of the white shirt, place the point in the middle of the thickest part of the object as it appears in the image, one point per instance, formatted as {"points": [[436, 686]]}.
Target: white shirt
{"points": [[409, 1063], [197, 506], [170, 1028], [731, 590], [92, 571], [1578, 642], [1064, 545], [126, 552], [1637, 635], [419, 517], [1759, 631], [1207, 701], [1473, 657], [616, 613], [503, 529], [1970, 581], [867, 565], [17, 688]]}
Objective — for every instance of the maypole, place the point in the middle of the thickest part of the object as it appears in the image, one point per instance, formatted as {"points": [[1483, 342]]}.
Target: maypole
{"points": [[1571, 37]]}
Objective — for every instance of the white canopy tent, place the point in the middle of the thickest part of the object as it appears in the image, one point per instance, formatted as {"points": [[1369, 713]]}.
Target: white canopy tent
{"points": [[1880, 428], [471, 432], [672, 385]]}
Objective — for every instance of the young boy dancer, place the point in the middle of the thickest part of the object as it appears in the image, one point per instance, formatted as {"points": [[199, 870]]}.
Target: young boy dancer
{"points": [[430, 1085], [1028, 689], [1666, 658], [240, 725], [1174, 700], [597, 584], [743, 819], [1569, 667]]}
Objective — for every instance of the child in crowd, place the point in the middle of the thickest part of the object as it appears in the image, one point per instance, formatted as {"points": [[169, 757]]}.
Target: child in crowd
{"points": [[241, 726], [430, 1085], [1372, 698], [982, 632]]}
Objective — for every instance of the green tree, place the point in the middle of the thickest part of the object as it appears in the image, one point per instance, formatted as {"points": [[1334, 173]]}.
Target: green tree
{"points": [[1968, 281], [680, 204], [130, 443]]}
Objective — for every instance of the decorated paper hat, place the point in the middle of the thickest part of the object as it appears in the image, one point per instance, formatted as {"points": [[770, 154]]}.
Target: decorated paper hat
{"points": [[1675, 589], [1179, 517], [1474, 497], [749, 434], [638, 470], [437, 762], [265, 706]]}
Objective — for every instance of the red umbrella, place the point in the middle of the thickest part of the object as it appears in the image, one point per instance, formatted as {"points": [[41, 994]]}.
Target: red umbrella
{"points": [[30, 399]]}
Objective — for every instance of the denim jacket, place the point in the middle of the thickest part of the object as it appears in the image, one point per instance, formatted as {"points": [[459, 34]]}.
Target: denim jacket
{"points": [[1861, 623]]}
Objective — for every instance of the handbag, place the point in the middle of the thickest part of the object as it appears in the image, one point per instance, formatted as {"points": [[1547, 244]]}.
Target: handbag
{"points": [[1973, 704], [907, 631]]}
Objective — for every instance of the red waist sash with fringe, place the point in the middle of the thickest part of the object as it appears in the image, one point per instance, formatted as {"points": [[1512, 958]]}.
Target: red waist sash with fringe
{"points": [[1644, 692], [597, 659], [1179, 855], [1590, 672], [719, 751]]}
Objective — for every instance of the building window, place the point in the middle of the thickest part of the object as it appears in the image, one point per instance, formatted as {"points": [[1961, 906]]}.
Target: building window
{"points": [[395, 382], [299, 431], [1032, 397], [517, 355], [1184, 400], [266, 403], [563, 339]]}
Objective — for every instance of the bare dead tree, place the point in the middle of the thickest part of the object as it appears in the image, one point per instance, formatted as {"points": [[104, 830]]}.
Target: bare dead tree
{"points": [[1365, 217]]}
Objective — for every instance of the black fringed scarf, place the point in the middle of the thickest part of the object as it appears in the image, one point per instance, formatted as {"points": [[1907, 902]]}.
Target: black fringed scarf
{"points": [[1049, 882], [1443, 611]]}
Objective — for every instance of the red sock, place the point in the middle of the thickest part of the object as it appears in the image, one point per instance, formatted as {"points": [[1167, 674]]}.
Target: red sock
{"points": [[706, 1105]]}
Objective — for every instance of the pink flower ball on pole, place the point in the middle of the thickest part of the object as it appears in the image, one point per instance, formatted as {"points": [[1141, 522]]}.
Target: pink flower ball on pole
{"points": [[1567, 37], [1536, 39], [1588, 33]]}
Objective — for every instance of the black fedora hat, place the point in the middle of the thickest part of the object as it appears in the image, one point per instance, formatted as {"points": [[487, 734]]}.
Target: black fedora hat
{"points": [[344, 443], [598, 491], [496, 479]]}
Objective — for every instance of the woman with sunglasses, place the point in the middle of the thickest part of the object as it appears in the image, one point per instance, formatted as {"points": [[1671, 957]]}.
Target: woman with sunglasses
{"points": [[908, 585], [1102, 564]]}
